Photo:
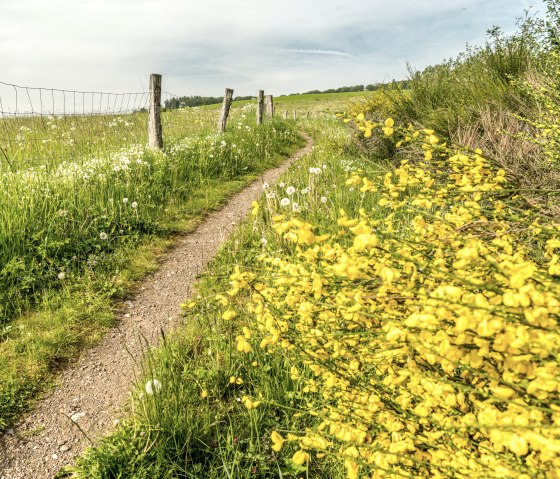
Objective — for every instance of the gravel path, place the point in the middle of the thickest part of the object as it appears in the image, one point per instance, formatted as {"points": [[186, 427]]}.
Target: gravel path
{"points": [[93, 390]]}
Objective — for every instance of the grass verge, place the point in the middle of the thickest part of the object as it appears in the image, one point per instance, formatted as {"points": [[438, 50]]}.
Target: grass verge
{"points": [[74, 311]]}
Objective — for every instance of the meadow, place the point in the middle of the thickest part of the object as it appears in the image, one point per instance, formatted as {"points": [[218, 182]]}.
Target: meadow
{"points": [[80, 196], [390, 309]]}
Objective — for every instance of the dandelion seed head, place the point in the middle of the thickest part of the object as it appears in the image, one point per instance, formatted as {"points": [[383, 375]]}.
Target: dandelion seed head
{"points": [[153, 386], [285, 202]]}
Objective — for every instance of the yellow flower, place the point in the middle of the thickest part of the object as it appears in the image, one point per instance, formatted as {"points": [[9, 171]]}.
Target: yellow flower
{"points": [[352, 468], [300, 457], [255, 210], [229, 315], [277, 441], [250, 404]]}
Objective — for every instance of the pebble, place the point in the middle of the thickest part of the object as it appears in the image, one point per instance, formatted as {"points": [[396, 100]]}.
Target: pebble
{"points": [[64, 448], [77, 416]]}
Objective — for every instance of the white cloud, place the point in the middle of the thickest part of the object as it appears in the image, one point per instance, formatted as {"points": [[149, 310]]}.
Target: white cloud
{"points": [[201, 47]]}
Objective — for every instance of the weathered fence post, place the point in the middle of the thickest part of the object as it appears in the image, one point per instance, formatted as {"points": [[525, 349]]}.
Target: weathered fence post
{"points": [[155, 132], [295, 115], [260, 107], [269, 106], [228, 95]]}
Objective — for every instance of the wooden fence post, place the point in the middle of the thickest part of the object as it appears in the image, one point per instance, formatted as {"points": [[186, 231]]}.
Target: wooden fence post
{"points": [[260, 107], [155, 132], [228, 95], [295, 115], [269, 106]]}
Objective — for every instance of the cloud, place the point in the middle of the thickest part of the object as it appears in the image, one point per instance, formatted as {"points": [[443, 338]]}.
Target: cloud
{"points": [[201, 47], [317, 52]]}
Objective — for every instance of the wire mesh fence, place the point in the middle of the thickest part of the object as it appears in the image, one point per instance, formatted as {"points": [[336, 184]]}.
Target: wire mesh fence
{"points": [[41, 127]]}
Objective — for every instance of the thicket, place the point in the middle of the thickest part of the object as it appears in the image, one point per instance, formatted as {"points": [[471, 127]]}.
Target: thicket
{"points": [[488, 97]]}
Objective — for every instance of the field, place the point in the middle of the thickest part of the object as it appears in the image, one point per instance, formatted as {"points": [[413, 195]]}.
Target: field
{"points": [[73, 213], [389, 309]]}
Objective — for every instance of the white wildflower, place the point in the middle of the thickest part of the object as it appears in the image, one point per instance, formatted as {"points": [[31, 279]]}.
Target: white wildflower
{"points": [[323, 199], [134, 204], [125, 200], [285, 202], [290, 190], [61, 275], [103, 235], [153, 386]]}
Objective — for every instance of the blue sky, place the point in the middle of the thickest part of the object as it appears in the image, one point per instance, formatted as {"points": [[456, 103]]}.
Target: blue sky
{"points": [[201, 47]]}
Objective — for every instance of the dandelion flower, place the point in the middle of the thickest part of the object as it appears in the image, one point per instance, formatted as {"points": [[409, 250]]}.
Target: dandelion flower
{"points": [[285, 202], [103, 236], [134, 204], [323, 199], [290, 190], [305, 191], [264, 241], [61, 275], [281, 184], [125, 200], [153, 386]]}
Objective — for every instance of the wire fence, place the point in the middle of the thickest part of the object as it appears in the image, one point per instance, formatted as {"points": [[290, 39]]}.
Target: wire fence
{"points": [[41, 127]]}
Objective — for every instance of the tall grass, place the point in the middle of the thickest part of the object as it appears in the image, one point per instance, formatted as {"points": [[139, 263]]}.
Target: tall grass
{"points": [[479, 99], [64, 219], [66, 231], [217, 406]]}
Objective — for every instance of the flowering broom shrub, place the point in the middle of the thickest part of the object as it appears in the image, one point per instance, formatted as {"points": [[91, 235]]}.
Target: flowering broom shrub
{"points": [[425, 342]]}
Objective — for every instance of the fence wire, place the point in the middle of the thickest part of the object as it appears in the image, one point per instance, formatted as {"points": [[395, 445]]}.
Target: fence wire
{"points": [[41, 127]]}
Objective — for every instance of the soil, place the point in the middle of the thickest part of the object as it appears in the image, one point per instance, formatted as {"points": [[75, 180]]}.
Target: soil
{"points": [[93, 391]]}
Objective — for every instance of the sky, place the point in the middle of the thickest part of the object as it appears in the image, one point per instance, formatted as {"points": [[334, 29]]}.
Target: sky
{"points": [[201, 47]]}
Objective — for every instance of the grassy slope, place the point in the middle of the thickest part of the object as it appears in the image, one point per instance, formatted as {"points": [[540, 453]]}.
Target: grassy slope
{"points": [[199, 425], [70, 316]]}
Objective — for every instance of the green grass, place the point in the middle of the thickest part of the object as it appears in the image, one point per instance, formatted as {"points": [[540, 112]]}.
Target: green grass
{"points": [[70, 246], [178, 433]]}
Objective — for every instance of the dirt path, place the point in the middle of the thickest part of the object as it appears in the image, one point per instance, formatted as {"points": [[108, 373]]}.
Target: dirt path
{"points": [[93, 390]]}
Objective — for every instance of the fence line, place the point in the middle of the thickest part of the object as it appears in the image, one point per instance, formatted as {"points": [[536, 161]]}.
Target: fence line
{"points": [[41, 126]]}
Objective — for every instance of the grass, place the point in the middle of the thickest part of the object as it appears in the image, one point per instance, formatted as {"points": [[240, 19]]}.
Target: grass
{"points": [[390, 309], [204, 428], [74, 237]]}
